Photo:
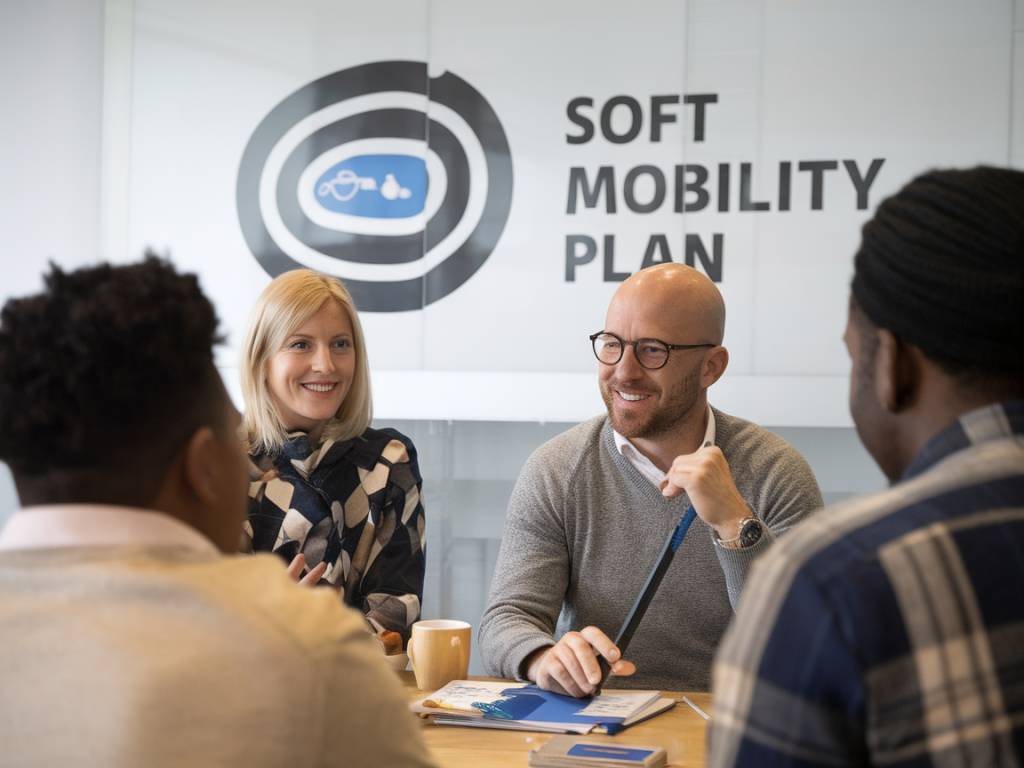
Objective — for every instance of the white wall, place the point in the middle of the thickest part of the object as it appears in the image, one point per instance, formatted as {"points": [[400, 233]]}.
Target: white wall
{"points": [[917, 83], [51, 79], [51, 84]]}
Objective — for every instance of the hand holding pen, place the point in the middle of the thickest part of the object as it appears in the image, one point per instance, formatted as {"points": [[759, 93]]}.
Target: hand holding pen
{"points": [[580, 662], [571, 665]]}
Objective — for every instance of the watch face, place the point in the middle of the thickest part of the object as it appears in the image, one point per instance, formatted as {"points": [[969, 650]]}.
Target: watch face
{"points": [[750, 533]]}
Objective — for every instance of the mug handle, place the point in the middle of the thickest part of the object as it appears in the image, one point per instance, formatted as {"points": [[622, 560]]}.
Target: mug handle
{"points": [[412, 658]]}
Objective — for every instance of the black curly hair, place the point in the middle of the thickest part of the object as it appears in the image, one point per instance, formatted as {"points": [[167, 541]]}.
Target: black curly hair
{"points": [[103, 376], [941, 265]]}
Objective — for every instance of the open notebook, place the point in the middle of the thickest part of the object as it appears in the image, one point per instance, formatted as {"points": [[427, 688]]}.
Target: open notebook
{"points": [[521, 706]]}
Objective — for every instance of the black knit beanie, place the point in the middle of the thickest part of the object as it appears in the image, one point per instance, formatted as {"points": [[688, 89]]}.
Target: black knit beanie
{"points": [[941, 265]]}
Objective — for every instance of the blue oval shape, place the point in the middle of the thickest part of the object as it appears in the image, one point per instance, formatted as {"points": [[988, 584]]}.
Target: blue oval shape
{"points": [[374, 186]]}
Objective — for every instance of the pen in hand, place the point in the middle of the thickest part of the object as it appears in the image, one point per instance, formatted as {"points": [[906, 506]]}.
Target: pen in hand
{"points": [[650, 589]]}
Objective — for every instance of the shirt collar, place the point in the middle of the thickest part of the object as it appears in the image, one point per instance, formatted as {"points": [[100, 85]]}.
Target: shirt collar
{"points": [[97, 525], [627, 449], [990, 422]]}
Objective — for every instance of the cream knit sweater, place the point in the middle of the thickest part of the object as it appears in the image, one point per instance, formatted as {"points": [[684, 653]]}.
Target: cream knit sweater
{"points": [[163, 656]]}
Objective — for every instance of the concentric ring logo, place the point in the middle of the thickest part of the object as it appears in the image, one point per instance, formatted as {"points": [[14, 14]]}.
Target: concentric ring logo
{"points": [[398, 183]]}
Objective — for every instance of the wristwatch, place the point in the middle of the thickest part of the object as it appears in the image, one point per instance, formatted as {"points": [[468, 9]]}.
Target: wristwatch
{"points": [[750, 533]]}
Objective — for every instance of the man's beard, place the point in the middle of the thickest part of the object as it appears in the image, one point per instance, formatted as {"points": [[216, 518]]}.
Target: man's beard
{"points": [[665, 419]]}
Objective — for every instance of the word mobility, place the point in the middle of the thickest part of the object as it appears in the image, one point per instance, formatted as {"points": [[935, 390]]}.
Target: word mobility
{"points": [[693, 188]]}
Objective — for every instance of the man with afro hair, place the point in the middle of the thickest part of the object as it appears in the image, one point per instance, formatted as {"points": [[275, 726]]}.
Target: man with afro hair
{"points": [[128, 635]]}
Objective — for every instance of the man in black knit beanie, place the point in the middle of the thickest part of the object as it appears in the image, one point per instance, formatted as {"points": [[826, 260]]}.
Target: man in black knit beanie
{"points": [[890, 629]]}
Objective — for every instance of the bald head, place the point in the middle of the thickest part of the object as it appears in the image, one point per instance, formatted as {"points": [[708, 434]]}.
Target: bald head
{"points": [[681, 301]]}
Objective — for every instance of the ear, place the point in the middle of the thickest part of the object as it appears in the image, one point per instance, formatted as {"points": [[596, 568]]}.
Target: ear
{"points": [[199, 462], [715, 363], [897, 376]]}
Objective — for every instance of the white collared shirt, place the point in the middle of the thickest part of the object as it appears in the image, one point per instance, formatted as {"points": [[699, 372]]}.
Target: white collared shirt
{"points": [[98, 525], [645, 466]]}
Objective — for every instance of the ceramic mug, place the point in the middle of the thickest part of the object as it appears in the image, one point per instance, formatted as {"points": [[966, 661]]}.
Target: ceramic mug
{"points": [[439, 652]]}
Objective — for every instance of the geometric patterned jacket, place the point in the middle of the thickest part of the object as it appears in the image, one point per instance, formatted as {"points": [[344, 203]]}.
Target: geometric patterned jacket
{"points": [[356, 505]]}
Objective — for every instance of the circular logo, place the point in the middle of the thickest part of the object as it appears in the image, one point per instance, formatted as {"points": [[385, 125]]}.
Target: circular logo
{"points": [[396, 182]]}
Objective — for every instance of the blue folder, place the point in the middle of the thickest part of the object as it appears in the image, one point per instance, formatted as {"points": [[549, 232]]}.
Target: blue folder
{"points": [[530, 704]]}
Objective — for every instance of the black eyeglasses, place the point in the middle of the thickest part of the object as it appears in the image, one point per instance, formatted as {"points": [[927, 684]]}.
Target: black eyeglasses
{"points": [[650, 353]]}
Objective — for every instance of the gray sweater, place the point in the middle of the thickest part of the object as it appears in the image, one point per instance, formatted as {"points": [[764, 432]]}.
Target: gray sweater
{"points": [[584, 528]]}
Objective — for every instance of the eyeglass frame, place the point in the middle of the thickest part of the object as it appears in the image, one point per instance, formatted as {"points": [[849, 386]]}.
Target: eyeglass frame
{"points": [[625, 343]]}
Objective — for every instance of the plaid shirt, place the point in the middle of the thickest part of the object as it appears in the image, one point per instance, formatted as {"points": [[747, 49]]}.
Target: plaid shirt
{"points": [[889, 630]]}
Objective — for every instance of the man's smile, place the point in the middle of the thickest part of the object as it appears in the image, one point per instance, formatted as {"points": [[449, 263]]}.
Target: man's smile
{"points": [[631, 397]]}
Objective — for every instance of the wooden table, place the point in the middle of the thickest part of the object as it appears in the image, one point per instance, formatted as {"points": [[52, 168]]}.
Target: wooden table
{"points": [[680, 731]]}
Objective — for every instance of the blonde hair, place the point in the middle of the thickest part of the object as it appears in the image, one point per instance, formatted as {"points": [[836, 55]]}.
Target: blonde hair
{"points": [[288, 302]]}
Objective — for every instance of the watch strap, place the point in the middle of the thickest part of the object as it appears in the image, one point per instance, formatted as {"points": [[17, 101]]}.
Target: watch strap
{"points": [[749, 534]]}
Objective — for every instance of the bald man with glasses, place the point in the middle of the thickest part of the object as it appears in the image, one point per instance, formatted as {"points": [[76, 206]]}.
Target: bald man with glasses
{"points": [[593, 507]]}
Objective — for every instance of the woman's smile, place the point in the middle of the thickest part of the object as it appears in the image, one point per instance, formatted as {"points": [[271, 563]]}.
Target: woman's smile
{"points": [[311, 374]]}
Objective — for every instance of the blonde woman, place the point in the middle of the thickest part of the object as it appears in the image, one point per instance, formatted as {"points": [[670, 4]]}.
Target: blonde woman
{"points": [[328, 491]]}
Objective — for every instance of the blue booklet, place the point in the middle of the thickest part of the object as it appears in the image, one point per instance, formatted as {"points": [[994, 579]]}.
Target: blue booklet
{"points": [[527, 707]]}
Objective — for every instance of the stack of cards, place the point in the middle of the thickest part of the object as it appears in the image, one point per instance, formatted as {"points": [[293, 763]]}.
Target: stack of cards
{"points": [[573, 751]]}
